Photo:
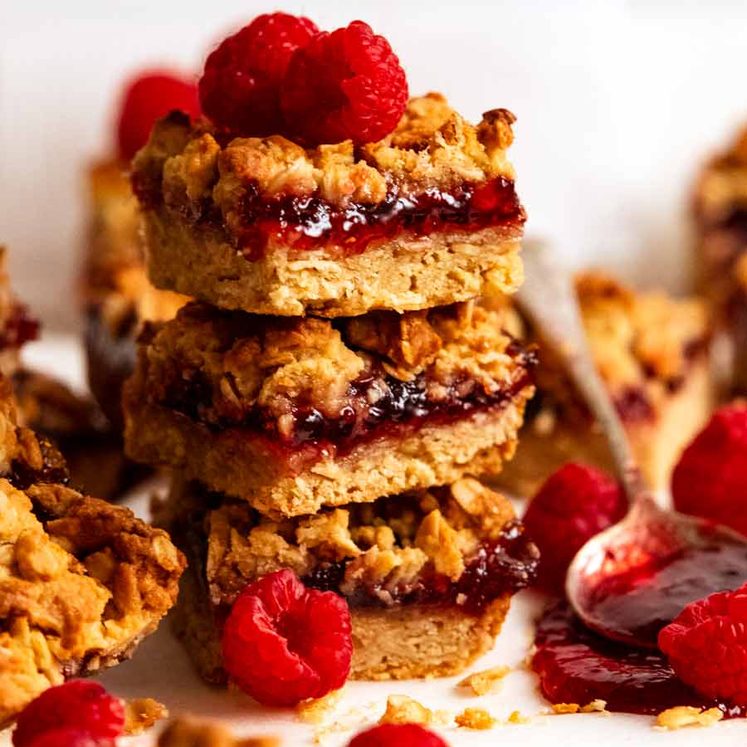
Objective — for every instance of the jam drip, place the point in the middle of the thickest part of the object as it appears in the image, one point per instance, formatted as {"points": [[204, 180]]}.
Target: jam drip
{"points": [[376, 401], [498, 567], [576, 666], [309, 222]]}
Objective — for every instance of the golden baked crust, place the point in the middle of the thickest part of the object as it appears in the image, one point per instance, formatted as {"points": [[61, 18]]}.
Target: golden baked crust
{"points": [[385, 558], [81, 582], [327, 238]]}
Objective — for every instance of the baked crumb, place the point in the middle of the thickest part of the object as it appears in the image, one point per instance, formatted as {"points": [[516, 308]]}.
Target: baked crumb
{"points": [[516, 717], [185, 732], [680, 717], [563, 708], [401, 709], [142, 713], [475, 718], [317, 711], [595, 706], [481, 683]]}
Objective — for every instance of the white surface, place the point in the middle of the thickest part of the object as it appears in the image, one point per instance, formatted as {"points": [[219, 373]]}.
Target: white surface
{"points": [[161, 669], [617, 103]]}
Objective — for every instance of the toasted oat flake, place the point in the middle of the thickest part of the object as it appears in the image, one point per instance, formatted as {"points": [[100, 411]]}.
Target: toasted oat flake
{"points": [[142, 713], [681, 716], [401, 709], [475, 718], [481, 683]]}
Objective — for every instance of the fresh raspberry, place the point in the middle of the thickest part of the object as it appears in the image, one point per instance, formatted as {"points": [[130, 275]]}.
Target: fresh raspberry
{"points": [[710, 480], [240, 88], [76, 706], [68, 736], [575, 503], [344, 85], [151, 95], [397, 735], [284, 643], [707, 645]]}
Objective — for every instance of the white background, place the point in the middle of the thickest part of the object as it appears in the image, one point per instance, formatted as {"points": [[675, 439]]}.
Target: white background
{"points": [[617, 102]]}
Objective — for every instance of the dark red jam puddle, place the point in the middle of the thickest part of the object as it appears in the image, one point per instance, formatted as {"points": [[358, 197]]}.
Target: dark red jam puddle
{"points": [[378, 403], [577, 666], [638, 594], [502, 566]]}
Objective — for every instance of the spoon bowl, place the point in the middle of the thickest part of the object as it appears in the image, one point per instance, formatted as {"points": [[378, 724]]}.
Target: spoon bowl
{"points": [[629, 581]]}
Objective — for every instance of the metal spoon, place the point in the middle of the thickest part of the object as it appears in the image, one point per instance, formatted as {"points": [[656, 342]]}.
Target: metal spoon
{"points": [[629, 581]]}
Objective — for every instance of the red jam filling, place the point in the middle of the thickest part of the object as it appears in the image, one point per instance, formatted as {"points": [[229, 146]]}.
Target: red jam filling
{"points": [[19, 329], [377, 405], [310, 222], [577, 666], [502, 566]]}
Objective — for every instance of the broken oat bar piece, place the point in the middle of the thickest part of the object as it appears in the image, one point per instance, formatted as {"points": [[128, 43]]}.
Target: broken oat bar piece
{"points": [[427, 216], [428, 575], [295, 414], [720, 217], [116, 293], [652, 352]]}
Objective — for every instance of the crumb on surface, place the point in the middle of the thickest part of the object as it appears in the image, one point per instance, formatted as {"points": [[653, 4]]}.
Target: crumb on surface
{"points": [[187, 732], [142, 713], [562, 708], [401, 709], [595, 706], [316, 711], [475, 718], [681, 716], [516, 717], [481, 683]]}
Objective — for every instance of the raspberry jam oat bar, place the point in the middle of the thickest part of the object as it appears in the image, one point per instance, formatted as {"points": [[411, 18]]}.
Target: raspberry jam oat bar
{"points": [[81, 581], [425, 217], [295, 414], [428, 576], [652, 352]]}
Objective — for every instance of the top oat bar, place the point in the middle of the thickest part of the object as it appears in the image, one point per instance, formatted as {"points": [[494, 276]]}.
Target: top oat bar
{"points": [[428, 216]]}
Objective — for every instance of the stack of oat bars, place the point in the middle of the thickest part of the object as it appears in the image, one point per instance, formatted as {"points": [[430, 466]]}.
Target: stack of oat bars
{"points": [[327, 402]]}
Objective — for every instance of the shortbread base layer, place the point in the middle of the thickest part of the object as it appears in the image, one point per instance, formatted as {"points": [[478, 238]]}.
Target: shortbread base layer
{"points": [[403, 274], [547, 442], [236, 462], [395, 643]]}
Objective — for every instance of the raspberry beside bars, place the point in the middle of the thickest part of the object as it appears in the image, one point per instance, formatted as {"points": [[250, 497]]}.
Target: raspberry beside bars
{"points": [[428, 576], [81, 581], [653, 354], [720, 212], [295, 414], [425, 217]]}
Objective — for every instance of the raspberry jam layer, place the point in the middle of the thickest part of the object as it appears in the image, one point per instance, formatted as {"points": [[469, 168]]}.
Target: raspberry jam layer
{"points": [[576, 666], [377, 403], [499, 567], [310, 222]]}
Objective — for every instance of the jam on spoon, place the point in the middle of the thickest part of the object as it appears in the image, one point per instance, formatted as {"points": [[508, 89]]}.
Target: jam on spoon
{"points": [[629, 581]]}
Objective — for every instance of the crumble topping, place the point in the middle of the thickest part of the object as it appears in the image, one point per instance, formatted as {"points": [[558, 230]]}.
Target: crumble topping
{"points": [[383, 548], [642, 344], [432, 146], [223, 366], [722, 186], [143, 713]]}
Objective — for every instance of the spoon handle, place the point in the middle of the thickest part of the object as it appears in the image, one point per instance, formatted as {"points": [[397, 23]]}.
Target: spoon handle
{"points": [[549, 300]]}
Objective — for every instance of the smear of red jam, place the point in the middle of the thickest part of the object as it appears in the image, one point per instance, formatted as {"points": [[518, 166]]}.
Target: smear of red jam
{"points": [[577, 666], [498, 567], [305, 223]]}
